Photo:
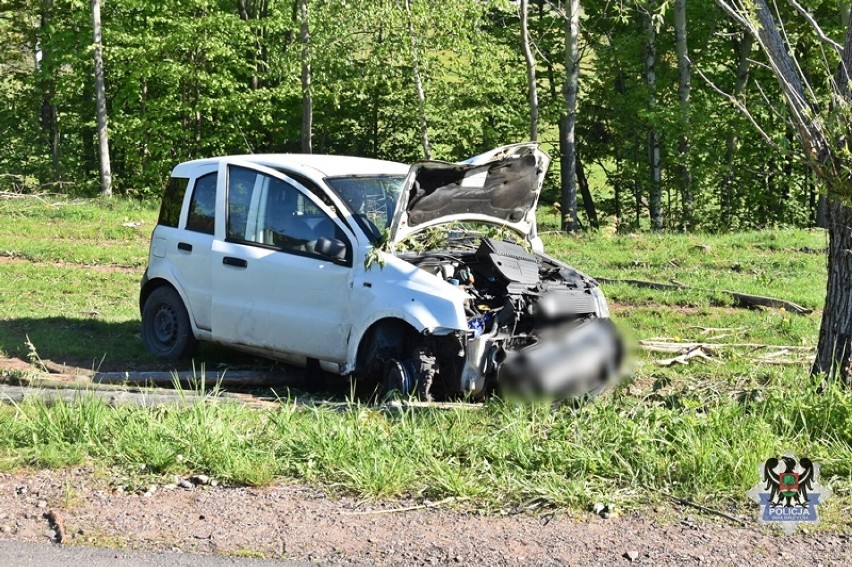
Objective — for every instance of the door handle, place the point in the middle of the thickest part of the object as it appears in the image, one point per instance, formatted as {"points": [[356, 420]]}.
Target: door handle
{"points": [[185, 246], [236, 262]]}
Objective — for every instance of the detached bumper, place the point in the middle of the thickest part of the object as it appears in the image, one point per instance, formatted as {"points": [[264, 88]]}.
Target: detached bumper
{"points": [[571, 362]]}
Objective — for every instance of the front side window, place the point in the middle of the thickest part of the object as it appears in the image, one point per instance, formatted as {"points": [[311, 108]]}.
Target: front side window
{"points": [[269, 211], [202, 206], [172, 201]]}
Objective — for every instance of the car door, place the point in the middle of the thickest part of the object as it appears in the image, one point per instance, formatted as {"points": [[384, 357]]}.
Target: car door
{"points": [[271, 289], [191, 255]]}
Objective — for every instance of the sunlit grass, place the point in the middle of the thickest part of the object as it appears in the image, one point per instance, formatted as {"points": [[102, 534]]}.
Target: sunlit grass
{"points": [[696, 430]]}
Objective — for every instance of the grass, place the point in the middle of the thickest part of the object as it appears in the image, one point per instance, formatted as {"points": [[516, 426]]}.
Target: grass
{"points": [[697, 430]]}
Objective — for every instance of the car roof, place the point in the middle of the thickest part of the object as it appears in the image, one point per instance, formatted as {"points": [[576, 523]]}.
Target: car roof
{"points": [[325, 165]]}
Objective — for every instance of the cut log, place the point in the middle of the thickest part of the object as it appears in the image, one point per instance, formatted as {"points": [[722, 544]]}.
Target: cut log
{"points": [[748, 300], [645, 284], [740, 299], [227, 379], [119, 397]]}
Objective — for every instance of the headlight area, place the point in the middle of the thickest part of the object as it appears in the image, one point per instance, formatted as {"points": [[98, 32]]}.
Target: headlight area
{"points": [[534, 326], [584, 358]]}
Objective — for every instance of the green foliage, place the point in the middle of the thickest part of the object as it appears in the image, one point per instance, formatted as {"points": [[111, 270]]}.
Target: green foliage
{"points": [[189, 79]]}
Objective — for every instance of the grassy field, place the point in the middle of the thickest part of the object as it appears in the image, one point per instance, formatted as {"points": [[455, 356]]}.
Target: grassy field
{"points": [[69, 275]]}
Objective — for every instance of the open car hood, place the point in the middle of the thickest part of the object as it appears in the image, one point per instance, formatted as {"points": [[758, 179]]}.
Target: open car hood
{"points": [[500, 187]]}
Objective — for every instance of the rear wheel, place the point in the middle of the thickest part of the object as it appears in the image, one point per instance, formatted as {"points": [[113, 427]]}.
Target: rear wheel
{"points": [[166, 330]]}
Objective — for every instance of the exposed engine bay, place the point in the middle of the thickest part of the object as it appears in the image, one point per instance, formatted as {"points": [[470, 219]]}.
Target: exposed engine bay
{"points": [[535, 325]]}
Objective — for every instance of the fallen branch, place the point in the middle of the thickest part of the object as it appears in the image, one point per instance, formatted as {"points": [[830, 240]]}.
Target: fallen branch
{"points": [[690, 503], [674, 346], [406, 508], [740, 299], [697, 352]]}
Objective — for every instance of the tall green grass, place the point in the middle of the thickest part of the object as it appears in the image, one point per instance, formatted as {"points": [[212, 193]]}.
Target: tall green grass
{"points": [[623, 448]]}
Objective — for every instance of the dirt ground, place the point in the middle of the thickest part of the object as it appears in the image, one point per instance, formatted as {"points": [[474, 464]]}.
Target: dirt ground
{"points": [[296, 522]]}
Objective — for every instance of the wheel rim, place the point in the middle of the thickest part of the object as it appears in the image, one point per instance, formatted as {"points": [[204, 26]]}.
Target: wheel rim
{"points": [[165, 326], [398, 377]]}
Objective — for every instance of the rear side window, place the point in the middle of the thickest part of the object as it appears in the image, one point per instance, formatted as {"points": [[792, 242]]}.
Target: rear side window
{"points": [[172, 201], [202, 206]]}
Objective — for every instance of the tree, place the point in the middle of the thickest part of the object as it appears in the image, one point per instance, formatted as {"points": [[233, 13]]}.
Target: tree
{"points": [[307, 95], [567, 139], [100, 95], [530, 63], [825, 134], [418, 82], [655, 196], [683, 73]]}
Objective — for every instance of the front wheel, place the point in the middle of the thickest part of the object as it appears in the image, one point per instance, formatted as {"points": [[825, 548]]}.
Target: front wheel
{"points": [[166, 330]]}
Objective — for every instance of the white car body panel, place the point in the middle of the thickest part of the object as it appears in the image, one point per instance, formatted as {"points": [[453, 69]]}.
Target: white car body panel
{"points": [[253, 293]]}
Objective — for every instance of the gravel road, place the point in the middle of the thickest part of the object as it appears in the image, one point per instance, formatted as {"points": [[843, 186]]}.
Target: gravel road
{"points": [[298, 523]]}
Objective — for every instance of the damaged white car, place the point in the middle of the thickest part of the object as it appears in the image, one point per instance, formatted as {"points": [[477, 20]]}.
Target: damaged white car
{"points": [[375, 269]]}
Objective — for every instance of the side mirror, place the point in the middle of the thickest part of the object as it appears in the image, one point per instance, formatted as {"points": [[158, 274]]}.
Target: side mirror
{"points": [[330, 248]]}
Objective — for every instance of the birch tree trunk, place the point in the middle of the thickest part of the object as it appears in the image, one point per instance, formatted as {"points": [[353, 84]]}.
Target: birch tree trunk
{"points": [[530, 61], [655, 200], [418, 83], [685, 175], [100, 96], [567, 139], [307, 96]]}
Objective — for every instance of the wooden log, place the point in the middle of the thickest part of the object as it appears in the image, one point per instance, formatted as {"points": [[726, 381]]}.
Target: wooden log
{"points": [[741, 299], [749, 300], [645, 284], [227, 379], [118, 397]]}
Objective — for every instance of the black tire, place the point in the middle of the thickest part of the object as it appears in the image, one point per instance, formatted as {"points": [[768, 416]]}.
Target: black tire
{"points": [[166, 330]]}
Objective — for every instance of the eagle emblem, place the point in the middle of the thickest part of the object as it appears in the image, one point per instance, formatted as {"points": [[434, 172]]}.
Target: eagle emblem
{"points": [[788, 491]]}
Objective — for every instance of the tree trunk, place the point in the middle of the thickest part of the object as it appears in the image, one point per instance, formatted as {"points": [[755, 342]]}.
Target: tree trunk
{"points": [[418, 83], [254, 81], [655, 201], [588, 201], [834, 349], [685, 175], [307, 96], [567, 140], [743, 49], [47, 86], [530, 61], [100, 95]]}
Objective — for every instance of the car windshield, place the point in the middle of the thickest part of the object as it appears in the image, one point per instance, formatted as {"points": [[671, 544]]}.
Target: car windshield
{"points": [[372, 199]]}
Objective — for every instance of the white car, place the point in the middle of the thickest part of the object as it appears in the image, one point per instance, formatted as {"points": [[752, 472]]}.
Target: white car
{"points": [[371, 268]]}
